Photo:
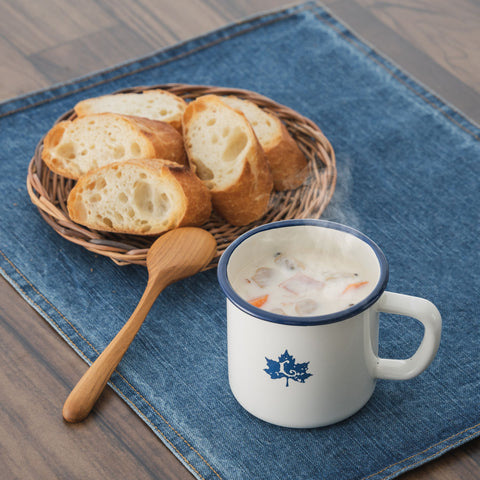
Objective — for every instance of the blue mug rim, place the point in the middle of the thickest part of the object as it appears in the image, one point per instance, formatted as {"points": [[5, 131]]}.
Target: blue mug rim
{"points": [[358, 308]]}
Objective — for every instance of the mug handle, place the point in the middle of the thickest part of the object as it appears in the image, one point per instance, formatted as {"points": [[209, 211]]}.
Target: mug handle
{"points": [[425, 312]]}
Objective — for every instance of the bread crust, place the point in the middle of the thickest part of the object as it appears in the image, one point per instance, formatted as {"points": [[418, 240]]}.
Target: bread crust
{"points": [[198, 200], [192, 206], [246, 199], [166, 141], [92, 105], [287, 162], [159, 140]]}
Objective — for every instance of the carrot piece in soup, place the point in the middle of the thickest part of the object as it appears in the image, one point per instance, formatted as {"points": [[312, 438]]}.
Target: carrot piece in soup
{"points": [[354, 285], [259, 301]]}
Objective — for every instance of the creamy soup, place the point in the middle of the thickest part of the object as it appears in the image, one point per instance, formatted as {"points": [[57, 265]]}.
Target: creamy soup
{"points": [[301, 284]]}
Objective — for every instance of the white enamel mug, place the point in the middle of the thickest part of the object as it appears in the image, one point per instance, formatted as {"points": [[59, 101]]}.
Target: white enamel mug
{"points": [[306, 372]]}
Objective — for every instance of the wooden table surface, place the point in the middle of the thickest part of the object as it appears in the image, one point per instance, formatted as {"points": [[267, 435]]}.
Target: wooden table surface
{"points": [[43, 42]]}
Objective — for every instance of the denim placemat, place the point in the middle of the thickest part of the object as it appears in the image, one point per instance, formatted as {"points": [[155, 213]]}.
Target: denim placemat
{"points": [[408, 170]]}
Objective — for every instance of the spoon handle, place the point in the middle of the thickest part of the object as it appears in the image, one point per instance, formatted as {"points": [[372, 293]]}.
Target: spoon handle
{"points": [[84, 395]]}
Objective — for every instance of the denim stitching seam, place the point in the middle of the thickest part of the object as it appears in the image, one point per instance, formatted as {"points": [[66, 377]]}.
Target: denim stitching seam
{"points": [[46, 301], [370, 52], [20, 289], [166, 422], [439, 452], [280, 17]]}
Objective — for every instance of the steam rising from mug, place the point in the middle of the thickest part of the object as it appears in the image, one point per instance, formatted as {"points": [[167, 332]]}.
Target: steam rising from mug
{"points": [[310, 371]]}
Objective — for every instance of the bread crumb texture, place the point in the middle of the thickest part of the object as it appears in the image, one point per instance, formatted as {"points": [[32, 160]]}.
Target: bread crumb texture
{"points": [[225, 153], [287, 163], [216, 142], [127, 197], [154, 104], [73, 148], [267, 127], [132, 168]]}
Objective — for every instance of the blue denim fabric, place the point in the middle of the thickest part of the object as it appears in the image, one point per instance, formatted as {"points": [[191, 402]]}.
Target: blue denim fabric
{"points": [[408, 170]]}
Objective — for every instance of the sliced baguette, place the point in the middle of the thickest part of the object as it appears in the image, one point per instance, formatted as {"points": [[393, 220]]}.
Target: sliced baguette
{"points": [[225, 153], [287, 163], [140, 196], [154, 104], [73, 148]]}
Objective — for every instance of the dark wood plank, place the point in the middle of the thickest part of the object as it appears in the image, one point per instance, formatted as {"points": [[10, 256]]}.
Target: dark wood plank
{"points": [[428, 58], [38, 371], [57, 41], [32, 27], [55, 63], [446, 31], [17, 74], [435, 40]]}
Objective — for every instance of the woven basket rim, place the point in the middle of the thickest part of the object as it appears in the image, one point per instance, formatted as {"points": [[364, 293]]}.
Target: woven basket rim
{"points": [[48, 191]]}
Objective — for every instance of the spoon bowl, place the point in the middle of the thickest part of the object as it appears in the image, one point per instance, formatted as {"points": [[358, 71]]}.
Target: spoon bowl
{"points": [[176, 255]]}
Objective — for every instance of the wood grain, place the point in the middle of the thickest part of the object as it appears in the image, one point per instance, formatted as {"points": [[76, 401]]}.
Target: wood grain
{"points": [[50, 41], [175, 255], [447, 31], [402, 30], [38, 370]]}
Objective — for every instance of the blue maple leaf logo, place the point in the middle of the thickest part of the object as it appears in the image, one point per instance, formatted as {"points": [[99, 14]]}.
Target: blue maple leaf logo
{"points": [[286, 368]]}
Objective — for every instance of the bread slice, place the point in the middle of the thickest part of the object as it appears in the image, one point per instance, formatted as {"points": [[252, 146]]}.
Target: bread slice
{"points": [[225, 153], [73, 148], [154, 104], [287, 162], [140, 196]]}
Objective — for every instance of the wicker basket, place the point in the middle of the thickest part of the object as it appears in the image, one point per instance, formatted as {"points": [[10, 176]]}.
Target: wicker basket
{"points": [[49, 191]]}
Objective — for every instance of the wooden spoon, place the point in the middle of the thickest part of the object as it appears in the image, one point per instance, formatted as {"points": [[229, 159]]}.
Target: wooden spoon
{"points": [[177, 254]]}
